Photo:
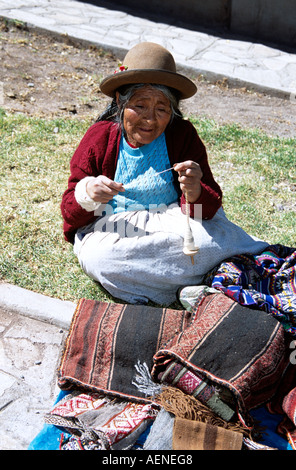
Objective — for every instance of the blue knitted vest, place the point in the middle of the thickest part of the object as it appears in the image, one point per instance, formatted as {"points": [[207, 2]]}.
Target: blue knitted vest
{"points": [[136, 169]]}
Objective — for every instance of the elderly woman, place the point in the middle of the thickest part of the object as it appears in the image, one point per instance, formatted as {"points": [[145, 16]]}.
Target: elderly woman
{"points": [[123, 212]]}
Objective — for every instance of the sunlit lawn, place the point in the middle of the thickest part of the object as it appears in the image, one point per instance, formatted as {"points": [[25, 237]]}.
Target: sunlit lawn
{"points": [[256, 172]]}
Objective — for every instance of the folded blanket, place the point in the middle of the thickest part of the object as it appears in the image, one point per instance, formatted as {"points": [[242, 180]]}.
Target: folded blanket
{"points": [[230, 357], [110, 347], [228, 351]]}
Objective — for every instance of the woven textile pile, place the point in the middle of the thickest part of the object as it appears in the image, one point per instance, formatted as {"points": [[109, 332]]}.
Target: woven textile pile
{"points": [[129, 372]]}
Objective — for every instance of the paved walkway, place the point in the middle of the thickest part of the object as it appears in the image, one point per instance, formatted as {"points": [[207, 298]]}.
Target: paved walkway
{"points": [[251, 64], [33, 327]]}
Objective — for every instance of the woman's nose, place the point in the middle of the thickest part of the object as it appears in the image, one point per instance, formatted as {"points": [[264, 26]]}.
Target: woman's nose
{"points": [[150, 114]]}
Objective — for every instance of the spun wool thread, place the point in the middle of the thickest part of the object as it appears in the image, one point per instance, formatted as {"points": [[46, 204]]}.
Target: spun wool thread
{"points": [[189, 247], [185, 406]]}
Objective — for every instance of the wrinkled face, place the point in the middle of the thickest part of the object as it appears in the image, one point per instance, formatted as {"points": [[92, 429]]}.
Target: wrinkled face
{"points": [[146, 116]]}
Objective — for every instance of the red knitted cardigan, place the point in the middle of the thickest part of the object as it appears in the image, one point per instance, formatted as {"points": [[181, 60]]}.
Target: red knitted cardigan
{"points": [[97, 154]]}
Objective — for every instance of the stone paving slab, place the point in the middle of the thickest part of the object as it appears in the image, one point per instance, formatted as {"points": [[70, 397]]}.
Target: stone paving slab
{"points": [[241, 62], [30, 352], [34, 305], [33, 329]]}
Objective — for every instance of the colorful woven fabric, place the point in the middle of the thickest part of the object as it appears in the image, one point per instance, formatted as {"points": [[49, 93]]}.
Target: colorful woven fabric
{"points": [[240, 352], [99, 424], [289, 405], [266, 281], [75, 405], [107, 341], [288, 426], [76, 443], [229, 356]]}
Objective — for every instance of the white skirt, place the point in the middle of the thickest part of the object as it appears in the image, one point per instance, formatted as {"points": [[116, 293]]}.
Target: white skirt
{"points": [[137, 256]]}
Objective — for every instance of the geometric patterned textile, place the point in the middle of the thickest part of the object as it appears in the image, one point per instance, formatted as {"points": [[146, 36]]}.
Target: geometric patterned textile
{"points": [[74, 406], [240, 352], [196, 385], [107, 341], [266, 281], [127, 420], [98, 424], [231, 357]]}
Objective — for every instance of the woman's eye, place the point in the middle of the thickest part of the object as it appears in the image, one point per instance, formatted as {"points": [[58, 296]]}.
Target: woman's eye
{"points": [[163, 110]]}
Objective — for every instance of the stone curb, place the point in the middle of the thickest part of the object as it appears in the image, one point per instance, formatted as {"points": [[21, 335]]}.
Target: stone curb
{"points": [[36, 306]]}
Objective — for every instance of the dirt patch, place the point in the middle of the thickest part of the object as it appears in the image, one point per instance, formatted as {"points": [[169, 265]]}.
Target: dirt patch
{"points": [[44, 75]]}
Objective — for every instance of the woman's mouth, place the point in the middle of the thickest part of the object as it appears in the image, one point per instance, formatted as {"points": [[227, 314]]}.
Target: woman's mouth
{"points": [[146, 130]]}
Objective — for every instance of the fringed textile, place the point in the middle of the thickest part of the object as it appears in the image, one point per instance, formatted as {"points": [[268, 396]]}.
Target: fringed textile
{"points": [[229, 357], [189, 408], [100, 423]]}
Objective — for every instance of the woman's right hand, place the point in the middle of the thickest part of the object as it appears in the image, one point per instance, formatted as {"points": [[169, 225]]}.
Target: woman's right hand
{"points": [[102, 189]]}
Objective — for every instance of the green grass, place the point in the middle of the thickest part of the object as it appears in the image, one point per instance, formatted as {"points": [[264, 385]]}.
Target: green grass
{"points": [[256, 172], [34, 168], [258, 176]]}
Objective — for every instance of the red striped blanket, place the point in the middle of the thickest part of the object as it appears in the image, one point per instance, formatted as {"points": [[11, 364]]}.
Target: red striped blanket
{"points": [[232, 358]]}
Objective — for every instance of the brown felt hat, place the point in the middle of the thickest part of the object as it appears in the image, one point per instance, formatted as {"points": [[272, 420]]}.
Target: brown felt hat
{"points": [[148, 62]]}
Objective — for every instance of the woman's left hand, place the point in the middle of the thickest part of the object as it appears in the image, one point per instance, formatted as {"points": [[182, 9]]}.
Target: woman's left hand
{"points": [[190, 175]]}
